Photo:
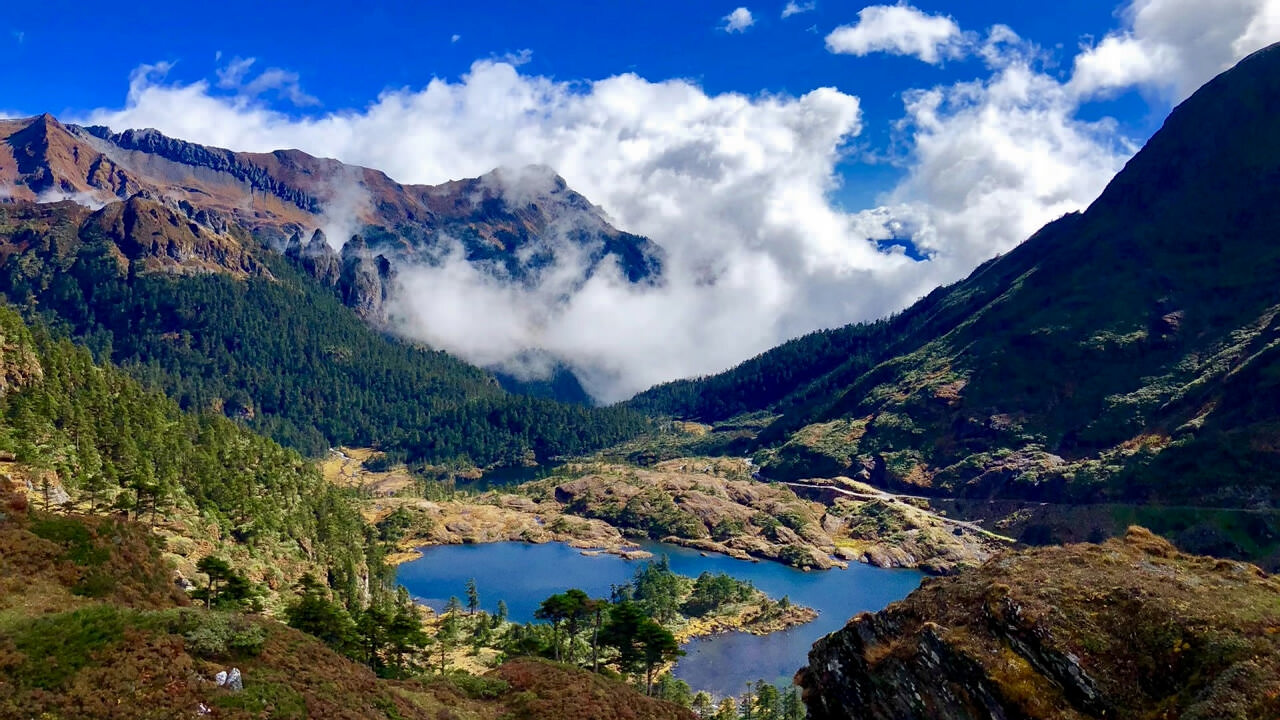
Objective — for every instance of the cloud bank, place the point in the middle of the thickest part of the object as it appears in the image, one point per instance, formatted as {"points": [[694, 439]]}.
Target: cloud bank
{"points": [[736, 188]]}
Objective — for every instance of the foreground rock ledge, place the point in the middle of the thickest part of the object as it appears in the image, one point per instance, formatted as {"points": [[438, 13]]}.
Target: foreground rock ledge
{"points": [[1129, 628]]}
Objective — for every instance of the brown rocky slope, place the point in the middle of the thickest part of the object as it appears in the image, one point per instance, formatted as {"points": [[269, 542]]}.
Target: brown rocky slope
{"points": [[514, 222], [1130, 629]]}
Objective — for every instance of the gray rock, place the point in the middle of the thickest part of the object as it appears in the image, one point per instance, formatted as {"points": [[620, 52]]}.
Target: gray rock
{"points": [[230, 680]]}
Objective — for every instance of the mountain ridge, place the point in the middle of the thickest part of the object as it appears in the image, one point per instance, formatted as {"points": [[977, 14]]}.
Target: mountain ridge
{"points": [[510, 222]]}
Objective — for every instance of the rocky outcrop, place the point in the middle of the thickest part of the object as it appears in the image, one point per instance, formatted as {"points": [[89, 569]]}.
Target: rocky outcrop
{"points": [[714, 505], [170, 237], [315, 257], [1130, 628], [366, 280]]}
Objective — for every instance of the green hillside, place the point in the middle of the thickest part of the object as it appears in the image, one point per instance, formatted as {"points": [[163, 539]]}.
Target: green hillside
{"points": [[89, 432], [1127, 353]]}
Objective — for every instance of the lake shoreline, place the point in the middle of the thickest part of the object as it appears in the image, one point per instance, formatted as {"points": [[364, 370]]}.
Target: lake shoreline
{"points": [[721, 656], [745, 621]]}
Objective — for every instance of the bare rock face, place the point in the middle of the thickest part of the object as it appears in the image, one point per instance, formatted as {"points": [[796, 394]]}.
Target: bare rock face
{"points": [[366, 279], [1130, 628], [315, 257], [168, 236]]}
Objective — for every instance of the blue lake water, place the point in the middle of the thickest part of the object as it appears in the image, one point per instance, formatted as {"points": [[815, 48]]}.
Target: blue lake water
{"points": [[523, 575]]}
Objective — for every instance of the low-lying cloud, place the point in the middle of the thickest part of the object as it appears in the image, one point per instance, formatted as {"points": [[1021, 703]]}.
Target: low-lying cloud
{"points": [[736, 188]]}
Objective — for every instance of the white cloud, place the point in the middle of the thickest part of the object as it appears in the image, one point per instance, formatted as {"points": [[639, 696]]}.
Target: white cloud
{"points": [[995, 160], [231, 76], [1171, 47], [87, 199], [455, 38], [736, 189], [899, 30], [285, 83], [795, 8], [738, 21]]}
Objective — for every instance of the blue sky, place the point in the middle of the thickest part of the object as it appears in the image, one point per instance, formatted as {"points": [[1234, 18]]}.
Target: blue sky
{"points": [[68, 58], [783, 163]]}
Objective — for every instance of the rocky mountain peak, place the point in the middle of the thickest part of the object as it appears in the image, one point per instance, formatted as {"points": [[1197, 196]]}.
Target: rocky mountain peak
{"points": [[164, 236], [315, 257], [366, 281]]}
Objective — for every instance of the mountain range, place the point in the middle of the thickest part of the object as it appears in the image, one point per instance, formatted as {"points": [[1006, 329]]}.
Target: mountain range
{"points": [[1123, 353], [187, 266], [512, 222]]}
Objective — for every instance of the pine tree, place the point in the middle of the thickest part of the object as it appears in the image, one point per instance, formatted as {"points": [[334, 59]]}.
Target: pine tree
{"points": [[658, 646], [447, 634], [313, 612], [217, 570], [473, 597]]}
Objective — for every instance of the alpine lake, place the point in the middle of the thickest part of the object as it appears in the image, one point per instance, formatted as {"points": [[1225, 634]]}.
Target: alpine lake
{"points": [[523, 575]]}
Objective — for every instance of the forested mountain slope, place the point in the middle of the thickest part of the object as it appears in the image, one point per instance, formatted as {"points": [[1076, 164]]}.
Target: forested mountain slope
{"points": [[74, 430], [1129, 352], [203, 311]]}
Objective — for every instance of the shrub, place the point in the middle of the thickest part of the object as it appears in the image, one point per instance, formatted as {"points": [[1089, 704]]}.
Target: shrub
{"points": [[477, 687], [75, 538], [727, 529], [57, 646], [218, 635]]}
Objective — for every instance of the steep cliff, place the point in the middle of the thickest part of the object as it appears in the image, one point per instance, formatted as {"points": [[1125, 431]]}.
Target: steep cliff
{"points": [[1130, 629]]}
